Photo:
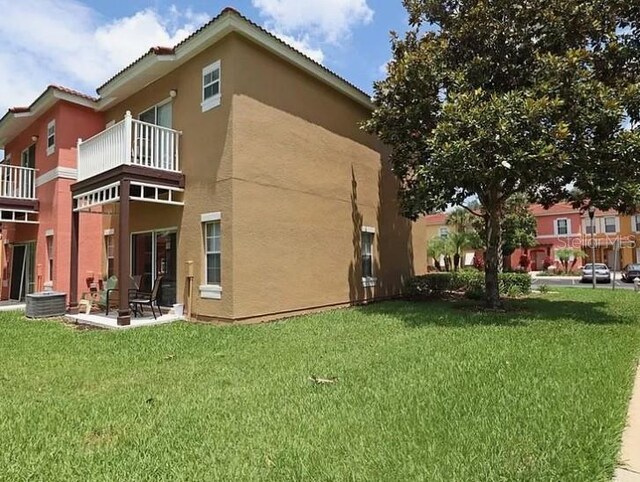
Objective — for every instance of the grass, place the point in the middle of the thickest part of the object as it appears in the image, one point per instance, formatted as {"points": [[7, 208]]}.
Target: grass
{"points": [[427, 391]]}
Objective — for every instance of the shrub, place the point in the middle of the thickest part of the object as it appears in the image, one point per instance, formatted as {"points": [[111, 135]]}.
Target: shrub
{"points": [[547, 263], [471, 283], [524, 262]]}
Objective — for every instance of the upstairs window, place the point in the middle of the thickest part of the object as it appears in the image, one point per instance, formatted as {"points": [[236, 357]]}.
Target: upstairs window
{"points": [[28, 158], [610, 225], [636, 223], [211, 91], [51, 137], [562, 227], [444, 233]]}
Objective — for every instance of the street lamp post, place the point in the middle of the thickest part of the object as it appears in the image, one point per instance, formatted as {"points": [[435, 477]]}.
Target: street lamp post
{"points": [[592, 213]]}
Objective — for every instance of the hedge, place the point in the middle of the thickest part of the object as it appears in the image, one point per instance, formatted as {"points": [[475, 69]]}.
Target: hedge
{"points": [[469, 282]]}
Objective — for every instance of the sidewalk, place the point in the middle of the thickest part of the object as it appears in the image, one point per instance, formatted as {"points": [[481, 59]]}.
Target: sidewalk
{"points": [[629, 470]]}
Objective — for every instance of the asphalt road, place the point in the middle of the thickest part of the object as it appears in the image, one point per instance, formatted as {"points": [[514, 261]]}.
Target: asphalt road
{"points": [[575, 282]]}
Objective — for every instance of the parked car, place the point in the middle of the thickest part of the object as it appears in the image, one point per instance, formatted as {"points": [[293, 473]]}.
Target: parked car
{"points": [[602, 273], [630, 272]]}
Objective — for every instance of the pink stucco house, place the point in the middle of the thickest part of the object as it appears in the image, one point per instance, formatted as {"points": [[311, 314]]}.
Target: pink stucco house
{"points": [[39, 166]]}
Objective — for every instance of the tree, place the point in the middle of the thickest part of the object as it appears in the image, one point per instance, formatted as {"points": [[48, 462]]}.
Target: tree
{"points": [[565, 255], [519, 226], [491, 99], [459, 241], [436, 250]]}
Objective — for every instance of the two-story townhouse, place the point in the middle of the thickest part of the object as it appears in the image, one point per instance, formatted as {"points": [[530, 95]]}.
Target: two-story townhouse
{"points": [[38, 169], [610, 231], [558, 227], [237, 171]]}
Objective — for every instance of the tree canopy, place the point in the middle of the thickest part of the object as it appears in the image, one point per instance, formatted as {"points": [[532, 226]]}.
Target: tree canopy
{"points": [[492, 99]]}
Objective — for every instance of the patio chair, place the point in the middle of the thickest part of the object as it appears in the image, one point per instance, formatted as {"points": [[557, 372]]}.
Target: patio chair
{"points": [[141, 299], [110, 296]]}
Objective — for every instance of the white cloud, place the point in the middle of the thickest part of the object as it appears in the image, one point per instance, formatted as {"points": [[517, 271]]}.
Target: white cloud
{"points": [[66, 42], [308, 25]]}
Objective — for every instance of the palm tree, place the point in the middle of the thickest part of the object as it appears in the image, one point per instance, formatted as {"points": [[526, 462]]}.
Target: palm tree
{"points": [[435, 250], [461, 220], [460, 241]]}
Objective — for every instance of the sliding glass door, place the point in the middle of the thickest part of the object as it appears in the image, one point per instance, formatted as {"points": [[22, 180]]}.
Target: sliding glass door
{"points": [[153, 254]]}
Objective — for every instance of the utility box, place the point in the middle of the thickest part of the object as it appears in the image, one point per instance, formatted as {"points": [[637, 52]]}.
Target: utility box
{"points": [[46, 304]]}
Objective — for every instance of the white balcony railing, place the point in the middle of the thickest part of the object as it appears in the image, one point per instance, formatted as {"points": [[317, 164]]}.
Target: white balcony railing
{"points": [[17, 182], [132, 142]]}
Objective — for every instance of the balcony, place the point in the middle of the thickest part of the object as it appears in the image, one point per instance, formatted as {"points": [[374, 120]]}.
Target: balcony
{"points": [[18, 202], [130, 142]]}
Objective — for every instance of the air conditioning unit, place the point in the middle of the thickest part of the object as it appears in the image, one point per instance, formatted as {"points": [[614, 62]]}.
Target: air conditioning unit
{"points": [[45, 305]]}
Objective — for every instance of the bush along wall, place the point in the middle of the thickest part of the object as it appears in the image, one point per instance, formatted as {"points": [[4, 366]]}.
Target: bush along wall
{"points": [[471, 283]]}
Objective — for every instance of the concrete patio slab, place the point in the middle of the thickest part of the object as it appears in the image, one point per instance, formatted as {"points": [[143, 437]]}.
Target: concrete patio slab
{"points": [[109, 322]]}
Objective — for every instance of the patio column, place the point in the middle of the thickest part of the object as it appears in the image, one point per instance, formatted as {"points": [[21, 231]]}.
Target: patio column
{"points": [[73, 282], [124, 313]]}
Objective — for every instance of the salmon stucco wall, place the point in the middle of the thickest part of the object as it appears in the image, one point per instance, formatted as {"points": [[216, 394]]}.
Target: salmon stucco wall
{"points": [[54, 196]]}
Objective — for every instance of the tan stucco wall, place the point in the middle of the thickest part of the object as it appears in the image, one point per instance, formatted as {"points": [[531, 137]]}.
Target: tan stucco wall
{"points": [[295, 178], [306, 180]]}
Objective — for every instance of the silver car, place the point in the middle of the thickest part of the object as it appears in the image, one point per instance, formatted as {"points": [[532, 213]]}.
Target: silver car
{"points": [[602, 273]]}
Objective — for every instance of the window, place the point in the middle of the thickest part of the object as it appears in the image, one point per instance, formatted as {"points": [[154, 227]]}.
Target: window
{"points": [[610, 225], [562, 227], [211, 86], [444, 232], [636, 223], [28, 158], [109, 248], [51, 137], [588, 228], [50, 258], [366, 250], [212, 231], [212, 247]]}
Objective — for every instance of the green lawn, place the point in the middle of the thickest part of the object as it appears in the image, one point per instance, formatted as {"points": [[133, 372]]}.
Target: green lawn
{"points": [[426, 391]]}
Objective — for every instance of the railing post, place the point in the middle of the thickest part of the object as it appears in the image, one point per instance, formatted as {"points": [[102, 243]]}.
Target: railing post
{"points": [[128, 134]]}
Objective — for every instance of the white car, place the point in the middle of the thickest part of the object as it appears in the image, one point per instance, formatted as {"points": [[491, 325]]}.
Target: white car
{"points": [[602, 273]]}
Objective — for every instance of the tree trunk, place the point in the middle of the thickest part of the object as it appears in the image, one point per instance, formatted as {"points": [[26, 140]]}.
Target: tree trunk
{"points": [[493, 258], [456, 261]]}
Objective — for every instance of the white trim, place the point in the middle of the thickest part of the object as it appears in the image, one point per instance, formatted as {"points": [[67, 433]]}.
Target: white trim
{"points": [[211, 102], [48, 232], [211, 292], [210, 217], [616, 224], [55, 173], [556, 230], [368, 229], [555, 236], [51, 149], [153, 67], [109, 232]]}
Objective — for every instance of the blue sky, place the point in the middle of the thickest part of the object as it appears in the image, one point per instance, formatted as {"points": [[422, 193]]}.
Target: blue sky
{"points": [[41, 45]]}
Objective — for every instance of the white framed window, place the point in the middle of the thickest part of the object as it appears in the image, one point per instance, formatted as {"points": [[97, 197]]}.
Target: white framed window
{"points": [[444, 232], [563, 227], [636, 223], [588, 226], [51, 137], [109, 249], [28, 157], [610, 224], [366, 252], [50, 258], [211, 91], [212, 233]]}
